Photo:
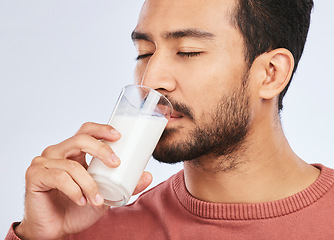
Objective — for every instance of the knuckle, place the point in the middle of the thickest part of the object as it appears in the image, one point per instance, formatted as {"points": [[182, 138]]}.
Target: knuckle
{"points": [[86, 127], [74, 165], [80, 139], [76, 192], [31, 171], [47, 151], [60, 177], [105, 147], [91, 188], [37, 160]]}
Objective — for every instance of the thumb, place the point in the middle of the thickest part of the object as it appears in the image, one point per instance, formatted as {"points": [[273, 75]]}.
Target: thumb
{"points": [[144, 181]]}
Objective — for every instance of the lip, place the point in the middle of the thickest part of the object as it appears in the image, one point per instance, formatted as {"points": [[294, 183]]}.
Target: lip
{"points": [[175, 116]]}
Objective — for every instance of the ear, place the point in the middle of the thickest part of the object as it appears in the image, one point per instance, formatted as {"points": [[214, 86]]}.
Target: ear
{"points": [[278, 65]]}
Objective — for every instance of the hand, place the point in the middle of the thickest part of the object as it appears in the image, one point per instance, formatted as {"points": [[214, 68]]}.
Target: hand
{"points": [[61, 197]]}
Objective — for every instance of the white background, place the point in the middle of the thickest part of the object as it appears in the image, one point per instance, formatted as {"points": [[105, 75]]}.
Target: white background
{"points": [[63, 63]]}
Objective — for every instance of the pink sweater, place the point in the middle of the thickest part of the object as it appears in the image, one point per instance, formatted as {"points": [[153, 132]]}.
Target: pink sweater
{"points": [[168, 211]]}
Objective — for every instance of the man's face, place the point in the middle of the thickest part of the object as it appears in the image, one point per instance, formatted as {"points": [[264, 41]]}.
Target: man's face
{"points": [[191, 52]]}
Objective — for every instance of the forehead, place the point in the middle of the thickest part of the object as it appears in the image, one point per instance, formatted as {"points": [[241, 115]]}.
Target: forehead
{"points": [[168, 15]]}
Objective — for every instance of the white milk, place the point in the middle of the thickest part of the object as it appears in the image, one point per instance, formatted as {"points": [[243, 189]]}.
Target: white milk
{"points": [[139, 136]]}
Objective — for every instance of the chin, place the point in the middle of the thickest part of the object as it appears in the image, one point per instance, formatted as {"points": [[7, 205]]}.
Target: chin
{"points": [[165, 151]]}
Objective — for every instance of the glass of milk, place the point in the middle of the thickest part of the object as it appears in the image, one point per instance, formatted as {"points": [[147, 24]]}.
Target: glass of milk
{"points": [[141, 114]]}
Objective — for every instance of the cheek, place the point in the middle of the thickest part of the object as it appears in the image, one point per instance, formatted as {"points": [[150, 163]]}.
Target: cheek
{"points": [[203, 84], [203, 89], [139, 72]]}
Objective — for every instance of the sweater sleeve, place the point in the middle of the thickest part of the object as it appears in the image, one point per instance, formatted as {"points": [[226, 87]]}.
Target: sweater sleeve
{"points": [[11, 233]]}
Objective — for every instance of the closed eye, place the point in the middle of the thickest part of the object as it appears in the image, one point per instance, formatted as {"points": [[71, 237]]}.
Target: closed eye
{"points": [[143, 56], [181, 54], [189, 54]]}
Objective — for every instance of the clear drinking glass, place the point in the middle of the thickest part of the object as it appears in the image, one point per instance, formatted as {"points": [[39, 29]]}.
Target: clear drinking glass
{"points": [[141, 114]]}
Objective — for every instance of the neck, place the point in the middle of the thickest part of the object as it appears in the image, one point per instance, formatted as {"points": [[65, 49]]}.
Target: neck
{"points": [[264, 169]]}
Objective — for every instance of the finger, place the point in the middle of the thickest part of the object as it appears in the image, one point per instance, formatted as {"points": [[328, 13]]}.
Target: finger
{"points": [[144, 181], [79, 144], [80, 176], [99, 131], [61, 180]]}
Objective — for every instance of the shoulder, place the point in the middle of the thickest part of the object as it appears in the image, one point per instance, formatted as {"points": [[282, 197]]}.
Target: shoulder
{"points": [[324, 185], [319, 197]]}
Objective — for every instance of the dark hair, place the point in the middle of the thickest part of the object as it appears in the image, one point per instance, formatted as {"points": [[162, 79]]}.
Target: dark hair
{"points": [[270, 24]]}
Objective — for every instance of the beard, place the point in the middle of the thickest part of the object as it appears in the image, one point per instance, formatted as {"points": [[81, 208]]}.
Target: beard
{"points": [[223, 135]]}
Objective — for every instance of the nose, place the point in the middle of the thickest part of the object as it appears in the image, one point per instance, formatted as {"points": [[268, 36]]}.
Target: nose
{"points": [[158, 73]]}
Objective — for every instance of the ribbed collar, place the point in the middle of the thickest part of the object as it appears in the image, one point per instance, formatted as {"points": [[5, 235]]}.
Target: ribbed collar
{"points": [[254, 211]]}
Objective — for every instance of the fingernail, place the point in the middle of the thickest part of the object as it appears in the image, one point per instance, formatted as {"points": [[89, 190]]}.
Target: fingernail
{"points": [[115, 132], [114, 158], [99, 199], [83, 201]]}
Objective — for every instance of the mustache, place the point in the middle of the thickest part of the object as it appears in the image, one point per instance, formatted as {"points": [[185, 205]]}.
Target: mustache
{"points": [[181, 108]]}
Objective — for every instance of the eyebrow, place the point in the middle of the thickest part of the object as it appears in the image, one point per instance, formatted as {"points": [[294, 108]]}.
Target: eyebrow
{"points": [[189, 33], [141, 36], [184, 33]]}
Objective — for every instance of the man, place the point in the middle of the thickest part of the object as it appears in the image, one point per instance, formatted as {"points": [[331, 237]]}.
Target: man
{"points": [[225, 65]]}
